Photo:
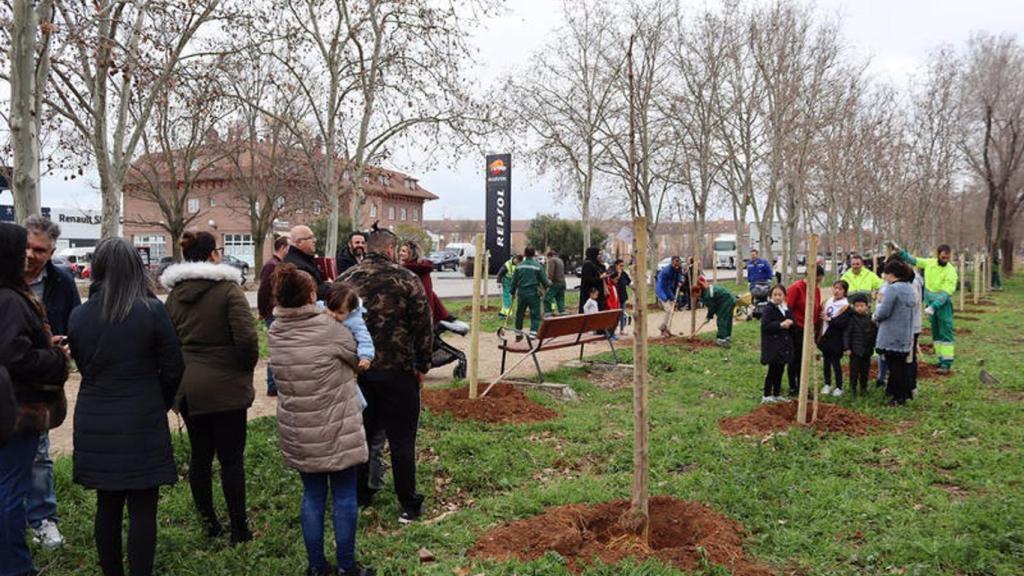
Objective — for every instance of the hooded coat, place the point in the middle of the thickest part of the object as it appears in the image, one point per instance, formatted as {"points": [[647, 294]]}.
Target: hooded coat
{"points": [[218, 336], [590, 277], [319, 421]]}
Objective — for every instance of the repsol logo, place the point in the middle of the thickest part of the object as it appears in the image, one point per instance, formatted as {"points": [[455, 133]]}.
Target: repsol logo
{"points": [[499, 221], [83, 219]]}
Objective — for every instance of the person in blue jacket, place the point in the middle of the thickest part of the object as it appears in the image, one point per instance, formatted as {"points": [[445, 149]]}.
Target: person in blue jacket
{"points": [[669, 278], [758, 269]]}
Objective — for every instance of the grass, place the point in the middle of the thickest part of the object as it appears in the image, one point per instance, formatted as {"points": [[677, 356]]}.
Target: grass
{"points": [[941, 494]]}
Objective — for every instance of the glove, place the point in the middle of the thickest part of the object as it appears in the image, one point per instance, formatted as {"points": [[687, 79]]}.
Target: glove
{"points": [[929, 311]]}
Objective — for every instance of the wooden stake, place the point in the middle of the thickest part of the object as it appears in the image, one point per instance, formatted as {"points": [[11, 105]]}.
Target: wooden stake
{"points": [[474, 338], [810, 313], [963, 282], [487, 278], [814, 409], [977, 277], [641, 449], [694, 274]]}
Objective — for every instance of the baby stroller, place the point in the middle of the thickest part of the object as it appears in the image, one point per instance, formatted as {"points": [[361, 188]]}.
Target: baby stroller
{"points": [[759, 292], [445, 353]]}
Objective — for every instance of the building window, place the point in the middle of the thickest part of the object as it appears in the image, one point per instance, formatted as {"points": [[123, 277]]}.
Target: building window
{"points": [[391, 212], [213, 201], [382, 179], [157, 246], [279, 203], [316, 207], [415, 214], [404, 213], [240, 246], [193, 205], [373, 210]]}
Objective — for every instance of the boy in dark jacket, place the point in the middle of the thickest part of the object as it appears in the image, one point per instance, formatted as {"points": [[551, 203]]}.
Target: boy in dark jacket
{"points": [[859, 339]]}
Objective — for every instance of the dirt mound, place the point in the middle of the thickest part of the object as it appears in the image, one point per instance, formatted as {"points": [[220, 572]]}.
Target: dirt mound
{"points": [[682, 534], [768, 418], [965, 317], [610, 379], [926, 331], [684, 342], [927, 370], [504, 404]]}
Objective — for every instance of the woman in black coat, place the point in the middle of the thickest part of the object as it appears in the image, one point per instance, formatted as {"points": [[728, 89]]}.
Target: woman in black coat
{"points": [[131, 365], [776, 343], [36, 371], [592, 276]]}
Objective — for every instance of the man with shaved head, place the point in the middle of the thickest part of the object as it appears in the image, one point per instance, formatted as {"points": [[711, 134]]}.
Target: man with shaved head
{"points": [[302, 254]]}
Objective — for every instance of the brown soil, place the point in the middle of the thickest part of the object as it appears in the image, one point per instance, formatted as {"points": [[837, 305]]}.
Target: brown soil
{"points": [[611, 379], [682, 534], [504, 404], [928, 348], [928, 370], [769, 418], [684, 342], [974, 311], [965, 317], [926, 331]]}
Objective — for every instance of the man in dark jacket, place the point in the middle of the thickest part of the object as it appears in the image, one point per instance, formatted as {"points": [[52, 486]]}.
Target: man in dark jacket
{"points": [[399, 320], [303, 255], [56, 289], [352, 253], [265, 296], [555, 296]]}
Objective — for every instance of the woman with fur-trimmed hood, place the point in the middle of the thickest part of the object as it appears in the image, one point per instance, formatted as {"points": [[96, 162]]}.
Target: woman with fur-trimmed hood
{"points": [[213, 319]]}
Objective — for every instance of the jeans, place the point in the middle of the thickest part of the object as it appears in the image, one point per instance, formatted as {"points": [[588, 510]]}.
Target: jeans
{"points": [[221, 434], [393, 399], [271, 385], [42, 498], [883, 369], [376, 461], [346, 511], [141, 530], [15, 482]]}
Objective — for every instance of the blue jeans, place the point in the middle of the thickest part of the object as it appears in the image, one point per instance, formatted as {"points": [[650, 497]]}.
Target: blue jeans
{"points": [[15, 483], [271, 385], [883, 369], [42, 498], [346, 511]]}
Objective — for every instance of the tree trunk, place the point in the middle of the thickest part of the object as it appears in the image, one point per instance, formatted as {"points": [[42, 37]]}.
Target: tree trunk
{"points": [[110, 192], [585, 211], [24, 113]]}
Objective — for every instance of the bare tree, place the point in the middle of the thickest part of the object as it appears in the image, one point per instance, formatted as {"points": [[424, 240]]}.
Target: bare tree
{"points": [[180, 149], [113, 61], [565, 98]]}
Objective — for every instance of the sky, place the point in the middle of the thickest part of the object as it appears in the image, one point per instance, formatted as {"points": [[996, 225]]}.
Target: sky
{"points": [[897, 36]]}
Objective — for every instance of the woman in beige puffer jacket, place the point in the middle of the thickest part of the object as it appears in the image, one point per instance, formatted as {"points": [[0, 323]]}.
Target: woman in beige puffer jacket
{"points": [[320, 424]]}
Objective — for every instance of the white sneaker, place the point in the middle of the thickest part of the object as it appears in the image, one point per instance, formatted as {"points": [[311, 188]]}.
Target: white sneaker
{"points": [[780, 399], [47, 535], [826, 390], [767, 400], [837, 392]]}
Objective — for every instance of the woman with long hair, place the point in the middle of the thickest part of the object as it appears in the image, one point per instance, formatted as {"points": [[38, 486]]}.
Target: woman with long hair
{"points": [[319, 419], [410, 257], [895, 319], [213, 319], [34, 370], [130, 360]]}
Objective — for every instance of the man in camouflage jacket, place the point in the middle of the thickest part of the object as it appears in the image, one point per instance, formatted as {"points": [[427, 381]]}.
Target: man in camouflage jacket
{"points": [[398, 318]]}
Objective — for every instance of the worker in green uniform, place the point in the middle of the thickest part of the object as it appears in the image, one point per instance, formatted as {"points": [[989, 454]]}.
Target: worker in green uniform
{"points": [[720, 303], [940, 283], [508, 270], [527, 280]]}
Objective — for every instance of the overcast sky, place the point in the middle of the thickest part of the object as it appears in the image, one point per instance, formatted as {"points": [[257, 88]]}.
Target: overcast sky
{"points": [[896, 34]]}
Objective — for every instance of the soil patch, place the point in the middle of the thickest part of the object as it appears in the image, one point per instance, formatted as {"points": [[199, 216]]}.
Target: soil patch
{"points": [[769, 418], [683, 533], [926, 331], [956, 492], [504, 404], [695, 345], [611, 379], [926, 371], [975, 311], [927, 348], [966, 317]]}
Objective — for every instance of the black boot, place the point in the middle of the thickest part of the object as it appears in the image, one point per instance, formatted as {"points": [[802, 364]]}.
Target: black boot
{"points": [[213, 526], [325, 571], [240, 535], [357, 571]]}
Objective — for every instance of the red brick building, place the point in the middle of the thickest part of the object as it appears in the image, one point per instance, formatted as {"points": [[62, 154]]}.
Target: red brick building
{"points": [[392, 197]]}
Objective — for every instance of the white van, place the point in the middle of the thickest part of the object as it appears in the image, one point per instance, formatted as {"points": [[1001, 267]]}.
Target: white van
{"points": [[725, 251]]}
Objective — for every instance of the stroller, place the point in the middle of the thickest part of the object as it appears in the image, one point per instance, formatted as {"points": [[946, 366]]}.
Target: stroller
{"points": [[444, 353], [759, 293]]}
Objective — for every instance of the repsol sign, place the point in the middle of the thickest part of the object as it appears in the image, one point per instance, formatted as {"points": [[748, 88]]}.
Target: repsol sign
{"points": [[498, 189]]}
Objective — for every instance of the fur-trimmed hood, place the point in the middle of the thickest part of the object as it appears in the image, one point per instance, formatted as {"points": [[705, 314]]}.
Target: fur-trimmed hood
{"points": [[195, 278]]}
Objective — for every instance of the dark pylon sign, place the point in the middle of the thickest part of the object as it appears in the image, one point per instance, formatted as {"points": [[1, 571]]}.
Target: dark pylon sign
{"points": [[498, 233]]}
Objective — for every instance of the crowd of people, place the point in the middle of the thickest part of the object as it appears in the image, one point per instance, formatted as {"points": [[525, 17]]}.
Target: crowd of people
{"points": [[347, 362]]}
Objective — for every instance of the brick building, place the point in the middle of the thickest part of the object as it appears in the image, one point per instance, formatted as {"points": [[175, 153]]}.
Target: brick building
{"points": [[393, 198]]}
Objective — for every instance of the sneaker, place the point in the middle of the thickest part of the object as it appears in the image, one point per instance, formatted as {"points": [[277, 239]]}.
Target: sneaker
{"points": [[723, 342], [324, 571], [943, 370], [780, 399], [837, 392], [357, 571], [408, 517], [47, 535], [613, 337], [767, 399], [826, 390]]}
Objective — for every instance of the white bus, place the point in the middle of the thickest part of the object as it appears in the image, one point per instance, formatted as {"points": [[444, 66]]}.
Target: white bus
{"points": [[724, 248]]}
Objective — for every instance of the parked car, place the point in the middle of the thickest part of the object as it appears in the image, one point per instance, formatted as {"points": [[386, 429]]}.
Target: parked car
{"points": [[444, 260], [62, 262], [240, 264]]}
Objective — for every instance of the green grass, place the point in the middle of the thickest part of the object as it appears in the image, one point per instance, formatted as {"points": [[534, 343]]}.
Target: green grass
{"points": [[813, 505]]}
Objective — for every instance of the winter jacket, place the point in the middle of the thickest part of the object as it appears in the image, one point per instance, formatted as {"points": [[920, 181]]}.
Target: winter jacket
{"points": [[622, 288], [831, 341], [529, 277], [938, 278], [867, 281], [319, 422], [895, 318], [356, 324], [60, 297], [590, 277], [36, 369], [423, 269], [796, 299], [776, 341], [344, 260], [397, 314], [555, 269], [718, 301], [918, 285], [759, 270], [130, 375], [307, 264], [265, 294], [668, 279], [218, 336], [859, 336]]}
